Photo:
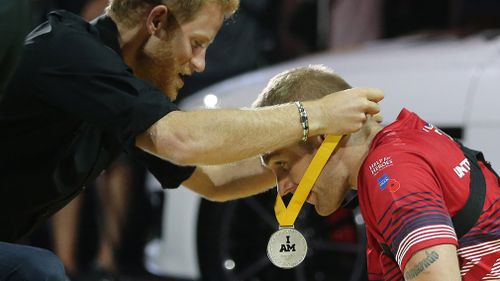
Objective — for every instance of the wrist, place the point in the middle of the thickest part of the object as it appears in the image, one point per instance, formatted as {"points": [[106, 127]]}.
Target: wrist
{"points": [[304, 120], [316, 126]]}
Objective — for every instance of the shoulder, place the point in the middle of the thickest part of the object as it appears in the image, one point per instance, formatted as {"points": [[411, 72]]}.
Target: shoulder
{"points": [[398, 159], [60, 25], [68, 40], [392, 178]]}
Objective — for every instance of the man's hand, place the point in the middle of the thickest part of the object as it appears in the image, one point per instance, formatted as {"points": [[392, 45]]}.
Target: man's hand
{"points": [[344, 112]]}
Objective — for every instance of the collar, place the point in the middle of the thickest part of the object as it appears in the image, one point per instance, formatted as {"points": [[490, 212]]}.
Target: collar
{"points": [[108, 32]]}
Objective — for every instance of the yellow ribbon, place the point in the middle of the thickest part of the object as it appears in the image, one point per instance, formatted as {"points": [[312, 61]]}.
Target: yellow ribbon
{"points": [[287, 215]]}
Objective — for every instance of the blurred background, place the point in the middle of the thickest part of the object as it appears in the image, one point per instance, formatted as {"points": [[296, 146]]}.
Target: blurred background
{"points": [[127, 228]]}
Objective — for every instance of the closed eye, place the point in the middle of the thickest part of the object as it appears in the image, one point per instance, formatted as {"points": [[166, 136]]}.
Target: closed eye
{"points": [[197, 44], [275, 160]]}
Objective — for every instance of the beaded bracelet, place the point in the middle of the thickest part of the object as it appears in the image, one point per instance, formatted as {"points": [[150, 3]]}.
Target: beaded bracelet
{"points": [[304, 121]]}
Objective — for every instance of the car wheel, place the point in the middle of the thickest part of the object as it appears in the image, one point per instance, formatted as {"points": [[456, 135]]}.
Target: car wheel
{"points": [[232, 240]]}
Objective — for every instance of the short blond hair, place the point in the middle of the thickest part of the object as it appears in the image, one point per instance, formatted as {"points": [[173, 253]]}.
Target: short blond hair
{"points": [[299, 84], [130, 12]]}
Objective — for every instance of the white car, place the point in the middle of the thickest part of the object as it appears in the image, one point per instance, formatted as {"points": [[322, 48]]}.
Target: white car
{"points": [[450, 82]]}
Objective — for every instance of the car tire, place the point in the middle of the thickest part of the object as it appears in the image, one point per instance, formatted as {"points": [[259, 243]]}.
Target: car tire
{"points": [[232, 239]]}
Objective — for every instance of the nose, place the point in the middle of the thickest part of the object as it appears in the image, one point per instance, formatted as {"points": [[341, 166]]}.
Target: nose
{"points": [[198, 60], [285, 185]]}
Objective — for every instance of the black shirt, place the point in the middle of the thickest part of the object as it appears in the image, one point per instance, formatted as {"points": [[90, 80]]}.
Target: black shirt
{"points": [[71, 108], [15, 22]]}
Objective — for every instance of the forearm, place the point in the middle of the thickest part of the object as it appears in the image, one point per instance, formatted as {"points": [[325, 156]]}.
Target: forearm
{"points": [[231, 181], [208, 137]]}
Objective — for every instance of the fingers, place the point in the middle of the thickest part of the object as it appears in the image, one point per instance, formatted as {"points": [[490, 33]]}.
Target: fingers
{"points": [[371, 98], [372, 107], [371, 94], [378, 118], [347, 110]]}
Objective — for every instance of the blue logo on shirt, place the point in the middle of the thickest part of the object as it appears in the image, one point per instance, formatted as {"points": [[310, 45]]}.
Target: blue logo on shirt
{"points": [[382, 181]]}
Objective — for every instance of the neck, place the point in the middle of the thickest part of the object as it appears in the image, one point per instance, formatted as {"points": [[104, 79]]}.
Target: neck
{"points": [[358, 146], [131, 40]]}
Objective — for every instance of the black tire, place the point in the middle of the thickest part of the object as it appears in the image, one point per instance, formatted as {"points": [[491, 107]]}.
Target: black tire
{"points": [[232, 239]]}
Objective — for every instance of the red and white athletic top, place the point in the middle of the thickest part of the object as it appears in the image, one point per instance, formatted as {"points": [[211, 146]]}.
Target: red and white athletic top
{"points": [[413, 181]]}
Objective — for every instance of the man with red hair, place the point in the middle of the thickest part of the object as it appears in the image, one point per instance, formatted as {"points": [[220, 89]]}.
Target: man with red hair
{"points": [[84, 92]]}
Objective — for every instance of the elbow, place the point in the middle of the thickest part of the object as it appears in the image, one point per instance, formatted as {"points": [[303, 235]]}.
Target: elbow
{"points": [[169, 140], [176, 151], [220, 198], [217, 195], [175, 146]]}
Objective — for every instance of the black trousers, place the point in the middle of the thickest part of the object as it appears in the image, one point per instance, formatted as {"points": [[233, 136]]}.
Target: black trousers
{"points": [[25, 263]]}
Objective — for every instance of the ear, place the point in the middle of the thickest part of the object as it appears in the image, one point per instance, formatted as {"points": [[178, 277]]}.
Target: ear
{"points": [[316, 141], [157, 18]]}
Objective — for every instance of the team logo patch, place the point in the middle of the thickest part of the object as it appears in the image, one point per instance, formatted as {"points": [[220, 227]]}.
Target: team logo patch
{"points": [[380, 164], [386, 182], [393, 185], [382, 181]]}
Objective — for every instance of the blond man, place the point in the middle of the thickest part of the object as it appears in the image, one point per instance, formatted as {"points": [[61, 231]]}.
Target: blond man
{"points": [[413, 183]]}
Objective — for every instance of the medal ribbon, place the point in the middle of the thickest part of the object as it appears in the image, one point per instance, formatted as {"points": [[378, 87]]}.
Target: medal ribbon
{"points": [[287, 215]]}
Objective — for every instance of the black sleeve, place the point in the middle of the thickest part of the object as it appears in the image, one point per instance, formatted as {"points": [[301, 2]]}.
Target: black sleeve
{"points": [[168, 174], [90, 81]]}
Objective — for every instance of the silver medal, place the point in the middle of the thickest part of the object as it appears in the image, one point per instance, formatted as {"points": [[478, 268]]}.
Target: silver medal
{"points": [[287, 248]]}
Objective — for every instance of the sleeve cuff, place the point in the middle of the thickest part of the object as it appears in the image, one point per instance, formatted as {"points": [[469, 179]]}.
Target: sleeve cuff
{"points": [[423, 238]]}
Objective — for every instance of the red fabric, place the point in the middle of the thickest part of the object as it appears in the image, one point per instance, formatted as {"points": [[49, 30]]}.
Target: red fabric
{"points": [[414, 179]]}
